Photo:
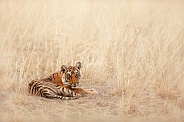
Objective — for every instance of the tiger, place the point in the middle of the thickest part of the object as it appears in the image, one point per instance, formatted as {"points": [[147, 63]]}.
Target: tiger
{"points": [[50, 90], [67, 78]]}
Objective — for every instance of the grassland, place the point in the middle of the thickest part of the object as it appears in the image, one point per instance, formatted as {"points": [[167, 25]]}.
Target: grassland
{"points": [[132, 53]]}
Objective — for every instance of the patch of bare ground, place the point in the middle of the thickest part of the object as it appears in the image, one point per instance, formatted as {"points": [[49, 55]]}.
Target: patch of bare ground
{"points": [[106, 106]]}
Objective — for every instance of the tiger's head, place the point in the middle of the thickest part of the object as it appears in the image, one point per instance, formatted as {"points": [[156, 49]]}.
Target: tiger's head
{"points": [[71, 75]]}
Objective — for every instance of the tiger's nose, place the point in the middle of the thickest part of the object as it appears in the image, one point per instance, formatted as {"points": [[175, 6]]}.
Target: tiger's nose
{"points": [[76, 84]]}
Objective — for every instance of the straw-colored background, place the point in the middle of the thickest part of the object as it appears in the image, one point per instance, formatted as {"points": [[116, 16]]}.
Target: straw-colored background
{"points": [[132, 53]]}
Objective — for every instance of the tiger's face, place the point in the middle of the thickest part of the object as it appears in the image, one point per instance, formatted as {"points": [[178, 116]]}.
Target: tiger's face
{"points": [[71, 75]]}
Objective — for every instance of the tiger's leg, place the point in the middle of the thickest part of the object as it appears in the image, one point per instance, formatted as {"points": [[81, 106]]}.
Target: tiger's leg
{"points": [[50, 94], [64, 98], [53, 95], [84, 91]]}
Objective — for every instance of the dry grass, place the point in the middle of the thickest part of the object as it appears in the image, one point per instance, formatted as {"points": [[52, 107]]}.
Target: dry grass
{"points": [[132, 53]]}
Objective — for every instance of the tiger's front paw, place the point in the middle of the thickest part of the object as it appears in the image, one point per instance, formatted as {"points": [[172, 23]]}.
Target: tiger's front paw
{"points": [[92, 91]]}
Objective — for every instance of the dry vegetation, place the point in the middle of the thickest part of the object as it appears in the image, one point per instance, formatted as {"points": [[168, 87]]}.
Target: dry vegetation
{"points": [[132, 53]]}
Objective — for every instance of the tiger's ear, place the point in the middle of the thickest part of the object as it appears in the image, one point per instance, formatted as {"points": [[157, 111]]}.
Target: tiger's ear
{"points": [[78, 65], [63, 68]]}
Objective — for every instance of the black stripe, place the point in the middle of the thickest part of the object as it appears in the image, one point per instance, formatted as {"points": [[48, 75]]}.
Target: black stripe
{"points": [[63, 90], [50, 78], [53, 76]]}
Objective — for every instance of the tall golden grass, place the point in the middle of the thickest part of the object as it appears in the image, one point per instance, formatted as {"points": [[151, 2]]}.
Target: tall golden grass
{"points": [[132, 52]]}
